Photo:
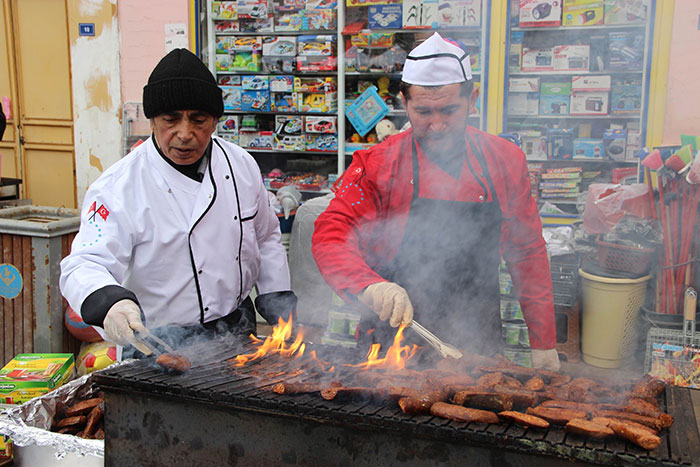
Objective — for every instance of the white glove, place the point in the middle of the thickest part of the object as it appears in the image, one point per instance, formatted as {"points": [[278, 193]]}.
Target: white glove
{"points": [[546, 359], [388, 300], [122, 319]]}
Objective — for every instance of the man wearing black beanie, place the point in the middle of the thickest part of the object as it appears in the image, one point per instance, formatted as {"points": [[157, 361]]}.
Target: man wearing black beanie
{"points": [[174, 236]]}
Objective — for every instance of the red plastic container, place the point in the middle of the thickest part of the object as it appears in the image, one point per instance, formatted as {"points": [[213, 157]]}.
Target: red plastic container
{"points": [[624, 258]]}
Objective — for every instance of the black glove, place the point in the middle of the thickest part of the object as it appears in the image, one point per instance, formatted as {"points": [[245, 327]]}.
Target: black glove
{"points": [[275, 305]]}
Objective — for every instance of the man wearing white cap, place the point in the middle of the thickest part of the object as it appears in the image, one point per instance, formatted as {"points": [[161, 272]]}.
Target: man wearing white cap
{"points": [[420, 221]]}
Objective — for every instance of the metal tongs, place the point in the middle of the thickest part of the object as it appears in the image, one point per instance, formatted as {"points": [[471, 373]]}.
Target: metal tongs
{"points": [[143, 337], [444, 349]]}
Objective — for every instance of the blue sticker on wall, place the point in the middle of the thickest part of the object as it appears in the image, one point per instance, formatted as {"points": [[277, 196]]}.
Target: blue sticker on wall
{"points": [[10, 281]]}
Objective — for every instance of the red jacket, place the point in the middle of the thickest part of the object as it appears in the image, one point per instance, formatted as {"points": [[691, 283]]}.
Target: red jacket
{"points": [[364, 224]]}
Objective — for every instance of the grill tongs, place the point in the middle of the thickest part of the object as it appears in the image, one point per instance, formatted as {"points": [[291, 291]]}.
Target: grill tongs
{"points": [[444, 349], [144, 336]]}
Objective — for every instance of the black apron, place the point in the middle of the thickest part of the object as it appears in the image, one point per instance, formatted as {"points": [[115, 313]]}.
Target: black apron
{"points": [[448, 263]]}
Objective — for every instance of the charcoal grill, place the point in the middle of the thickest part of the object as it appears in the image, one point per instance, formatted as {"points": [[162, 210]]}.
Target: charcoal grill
{"points": [[216, 414]]}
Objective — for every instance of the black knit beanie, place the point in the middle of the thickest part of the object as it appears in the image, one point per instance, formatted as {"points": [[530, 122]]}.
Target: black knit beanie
{"points": [[181, 81]]}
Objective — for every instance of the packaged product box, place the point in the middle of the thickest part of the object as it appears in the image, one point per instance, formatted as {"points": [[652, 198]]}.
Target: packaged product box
{"points": [[244, 43], [588, 148], [31, 375], [256, 139], [259, 25], [589, 103], [223, 44], [534, 145], [625, 50], [289, 124], [232, 97], [537, 59], [226, 26], [411, 14], [372, 39], [385, 16], [459, 13], [560, 143], [252, 9], [317, 102], [582, 12], [288, 5], [258, 101], [515, 51], [615, 144], [289, 142], [591, 83], [314, 84], [429, 14], [324, 124], [255, 82], [280, 46], [284, 102], [316, 63], [288, 22], [321, 142], [540, 13], [626, 11], [554, 98], [228, 80], [283, 64], [626, 97], [529, 84], [245, 61], [523, 103], [316, 45], [223, 62], [283, 83], [313, 20], [320, 4], [231, 137], [570, 57], [228, 124], [224, 10]]}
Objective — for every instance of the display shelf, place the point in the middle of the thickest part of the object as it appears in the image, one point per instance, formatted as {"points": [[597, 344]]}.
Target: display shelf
{"points": [[283, 151], [278, 112], [580, 28], [311, 74], [573, 117], [445, 30], [279, 33], [576, 73]]}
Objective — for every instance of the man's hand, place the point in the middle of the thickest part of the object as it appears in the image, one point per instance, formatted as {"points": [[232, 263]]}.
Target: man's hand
{"points": [[546, 359], [388, 300], [122, 319]]}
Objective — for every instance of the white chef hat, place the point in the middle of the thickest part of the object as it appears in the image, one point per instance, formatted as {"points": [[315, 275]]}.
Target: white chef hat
{"points": [[436, 62]]}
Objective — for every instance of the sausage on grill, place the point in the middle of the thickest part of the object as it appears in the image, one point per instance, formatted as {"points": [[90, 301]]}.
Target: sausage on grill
{"points": [[588, 428], [556, 415], [174, 361], [524, 419], [421, 405], [462, 414]]}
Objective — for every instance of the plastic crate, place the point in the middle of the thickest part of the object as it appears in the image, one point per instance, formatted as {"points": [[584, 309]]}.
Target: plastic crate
{"points": [[624, 258], [565, 279]]}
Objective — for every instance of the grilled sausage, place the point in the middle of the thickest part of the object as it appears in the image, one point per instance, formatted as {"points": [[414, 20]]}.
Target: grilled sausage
{"points": [[555, 415], [524, 419], [78, 420], [354, 393], [421, 405], [489, 380], [83, 407], [654, 423], [648, 387], [588, 428], [512, 382], [647, 409], [174, 361], [608, 421], [534, 384], [462, 414], [93, 419], [484, 400], [521, 397], [634, 434], [296, 388], [553, 403], [99, 434]]}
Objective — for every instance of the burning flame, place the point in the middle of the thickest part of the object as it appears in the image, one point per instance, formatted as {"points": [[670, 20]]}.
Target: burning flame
{"points": [[396, 355], [276, 343]]}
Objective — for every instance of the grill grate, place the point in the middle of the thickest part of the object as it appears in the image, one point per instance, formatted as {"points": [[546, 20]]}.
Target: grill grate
{"points": [[215, 381]]}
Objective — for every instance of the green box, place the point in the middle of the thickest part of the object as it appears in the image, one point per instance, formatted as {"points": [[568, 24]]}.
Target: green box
{"points": [[555, 89], [31, 375]]}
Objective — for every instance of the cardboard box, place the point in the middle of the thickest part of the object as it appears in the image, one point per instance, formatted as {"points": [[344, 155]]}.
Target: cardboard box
{"points": [[245, 43], [523, 103], [625, 50], [385, 16], [317, 63], [272, 64], [537, 59], [534, 145], [459, 13], [226, 26], [560, 143], [315, 20], [314, 84], [31, 375], [540, 13], [316, 45], [256, 139], [614, 144], [289, 124], [284, 102], [257, 101], [228, 80], [626, 97], [554, 98], [321, 142], [529, 84], [284, 83], [259, 25], [255, 82], [280, 46], [317, 102], [325, 124], [252, 9], [582, 12], [626, 11], [411, 14], [515, 51], [589, 103], [245, 61], [289, 142], [229, 124], [224, 10], [429, 14], [232, 97], [288, 22], [588, 148], [591, 83], [570, 58]]}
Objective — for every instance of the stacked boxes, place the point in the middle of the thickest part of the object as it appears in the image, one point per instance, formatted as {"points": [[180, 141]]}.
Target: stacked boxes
{"points": [[289, 15], [590, 95], [562, 182], [31, 375]]}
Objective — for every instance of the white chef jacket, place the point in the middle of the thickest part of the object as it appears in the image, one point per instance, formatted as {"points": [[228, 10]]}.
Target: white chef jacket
{"points": [[184, 269]]}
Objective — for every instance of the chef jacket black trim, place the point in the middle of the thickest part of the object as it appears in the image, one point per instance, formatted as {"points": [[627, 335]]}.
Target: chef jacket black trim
{"points": [[97, 304], [448, 55], [275, 305], [250, 217]]}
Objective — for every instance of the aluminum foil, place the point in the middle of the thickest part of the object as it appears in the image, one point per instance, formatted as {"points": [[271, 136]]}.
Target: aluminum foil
{"points": [[28, 424]]}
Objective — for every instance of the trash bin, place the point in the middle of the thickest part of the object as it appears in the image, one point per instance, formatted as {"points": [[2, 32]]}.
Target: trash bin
{"points": [[609, 323], [34, 240]]}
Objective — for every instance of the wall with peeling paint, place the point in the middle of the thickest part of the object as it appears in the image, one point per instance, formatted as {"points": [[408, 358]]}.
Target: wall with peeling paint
{"points": [[96, 89]]}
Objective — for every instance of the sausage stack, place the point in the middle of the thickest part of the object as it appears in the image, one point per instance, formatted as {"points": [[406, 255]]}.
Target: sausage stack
{"points": [[83, 418]]}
